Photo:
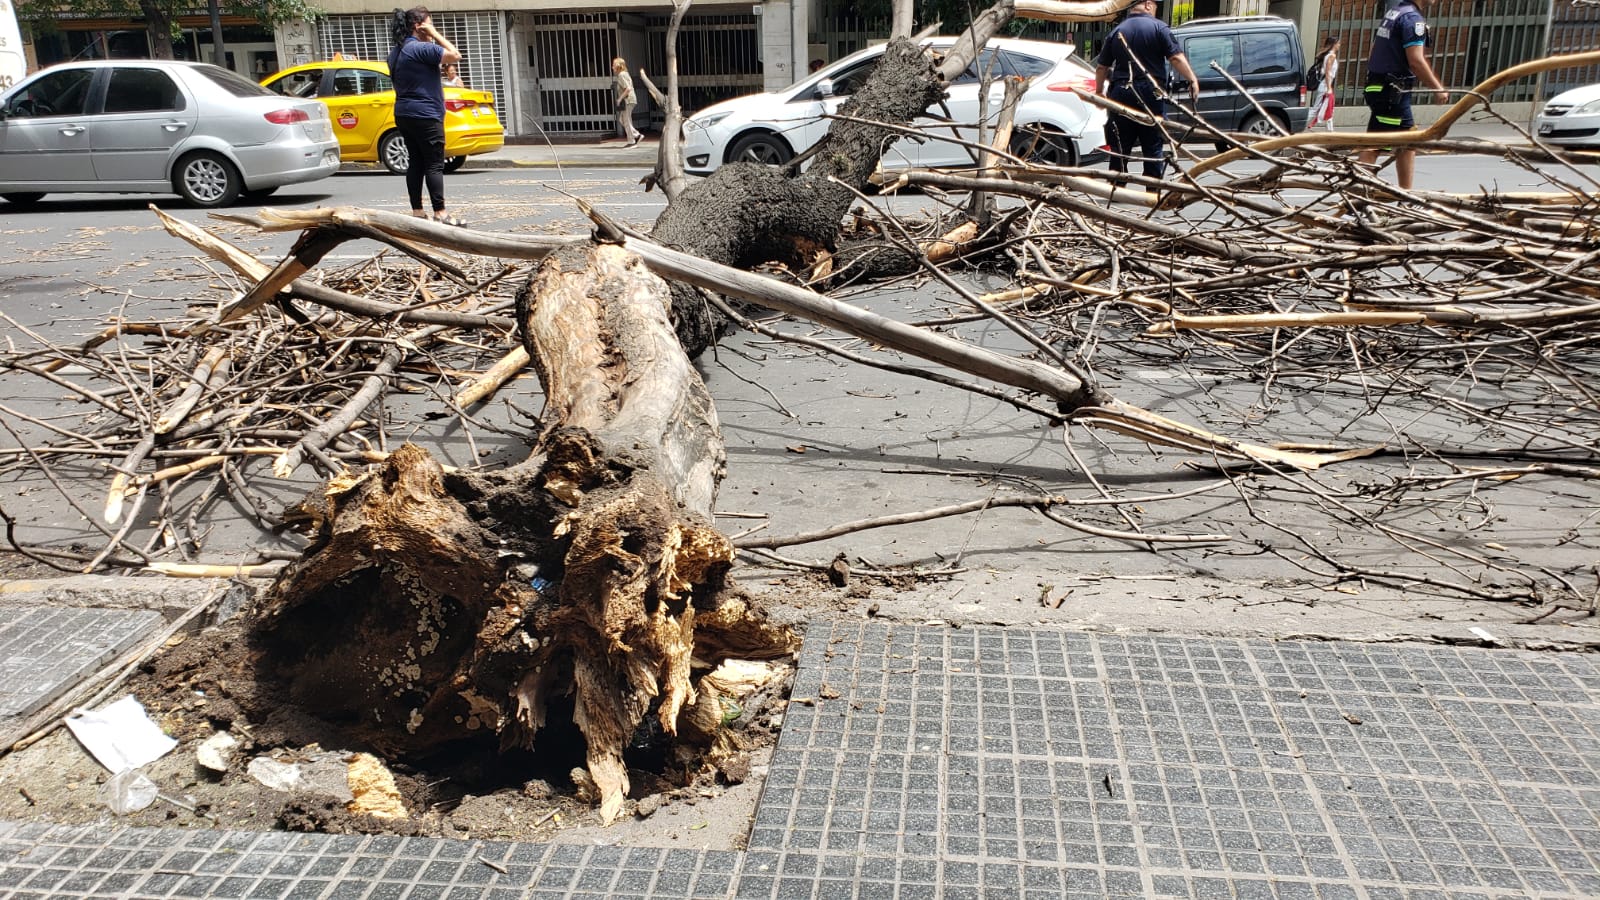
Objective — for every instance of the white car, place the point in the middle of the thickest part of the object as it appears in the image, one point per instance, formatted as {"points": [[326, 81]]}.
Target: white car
{"points": [[1571, 118], [1053, 124]]}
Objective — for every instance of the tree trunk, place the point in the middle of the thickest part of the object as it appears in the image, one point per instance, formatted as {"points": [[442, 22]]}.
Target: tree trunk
{"points": [[903, 18], [219, 51], [436, 608], [158, 27], [747, 214]]}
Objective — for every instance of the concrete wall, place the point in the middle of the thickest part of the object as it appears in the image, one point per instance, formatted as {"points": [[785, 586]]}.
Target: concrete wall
{"points": [[778, 58], [297, 43], [1305, 14]]}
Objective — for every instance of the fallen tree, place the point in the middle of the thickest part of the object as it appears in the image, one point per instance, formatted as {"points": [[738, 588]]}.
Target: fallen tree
{"points": [[435, 573]]}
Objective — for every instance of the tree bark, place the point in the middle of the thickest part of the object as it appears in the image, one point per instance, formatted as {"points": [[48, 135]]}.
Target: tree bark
{"points": [[436, 608], [903, 19], [219, 50], [158, 28]]}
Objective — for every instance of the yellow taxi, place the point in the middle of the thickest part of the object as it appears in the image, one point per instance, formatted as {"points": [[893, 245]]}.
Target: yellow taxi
{"points": [[360, 101]]}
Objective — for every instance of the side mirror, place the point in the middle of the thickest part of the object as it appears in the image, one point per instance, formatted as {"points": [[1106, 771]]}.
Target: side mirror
{"points": [[825, 87]]}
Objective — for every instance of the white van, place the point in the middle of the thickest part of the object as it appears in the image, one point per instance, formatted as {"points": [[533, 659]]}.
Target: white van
{"points": [[13, 61]]}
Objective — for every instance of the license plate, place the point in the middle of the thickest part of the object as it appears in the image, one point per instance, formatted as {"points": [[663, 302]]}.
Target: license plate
{"points": [[1546, 128]]}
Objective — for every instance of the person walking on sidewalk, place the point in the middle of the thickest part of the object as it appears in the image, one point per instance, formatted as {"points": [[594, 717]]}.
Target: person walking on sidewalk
{"points": [[1399, 60], [1132, 70], [622, 83], [1326, 68], [414, 61]]}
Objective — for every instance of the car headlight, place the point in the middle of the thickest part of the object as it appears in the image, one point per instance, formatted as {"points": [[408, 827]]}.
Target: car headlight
{"points": [[706, 121], [1587, 109]]}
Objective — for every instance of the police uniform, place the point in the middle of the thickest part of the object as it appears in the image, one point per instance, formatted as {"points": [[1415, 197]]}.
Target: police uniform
{"points": [[1148, 40], [1389, 76]]}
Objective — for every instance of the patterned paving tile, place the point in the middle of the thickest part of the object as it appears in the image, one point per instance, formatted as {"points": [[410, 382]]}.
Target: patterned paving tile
{"points": [[1003, 763], [44, 650], [87, 861], [1196, 767]]}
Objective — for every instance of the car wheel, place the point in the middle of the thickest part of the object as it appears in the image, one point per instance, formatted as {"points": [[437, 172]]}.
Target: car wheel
{"points": [[27, 199], [207, 180], [1261, 125], [767, 149], [454, 163], [392, 150], [1045, 145]]}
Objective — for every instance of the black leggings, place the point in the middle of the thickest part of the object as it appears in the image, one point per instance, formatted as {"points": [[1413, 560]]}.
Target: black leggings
{"points": [[425, 142]]}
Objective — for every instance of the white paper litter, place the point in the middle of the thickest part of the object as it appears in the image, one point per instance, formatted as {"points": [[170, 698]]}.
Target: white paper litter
{"points": [[121, 736]]}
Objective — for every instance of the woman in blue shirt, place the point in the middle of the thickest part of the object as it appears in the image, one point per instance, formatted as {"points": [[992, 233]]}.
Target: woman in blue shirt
{"points": [[419, 50]]}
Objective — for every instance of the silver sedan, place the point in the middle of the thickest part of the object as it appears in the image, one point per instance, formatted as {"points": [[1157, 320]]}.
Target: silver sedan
{"points": [[158, 126]]}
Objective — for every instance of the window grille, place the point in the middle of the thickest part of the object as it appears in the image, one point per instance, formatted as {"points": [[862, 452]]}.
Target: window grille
{"points": [[718, 58], [571, 61], [1472, 39], [478, 35]]}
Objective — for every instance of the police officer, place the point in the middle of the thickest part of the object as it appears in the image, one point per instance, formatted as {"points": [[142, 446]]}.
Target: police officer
{"points": [[1132, 70], [1399, 60]]}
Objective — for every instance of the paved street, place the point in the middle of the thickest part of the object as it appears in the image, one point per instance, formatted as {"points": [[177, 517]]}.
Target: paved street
{"points": [[871, 442]]}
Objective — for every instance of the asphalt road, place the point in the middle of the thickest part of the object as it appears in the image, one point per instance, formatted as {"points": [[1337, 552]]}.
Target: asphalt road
{"points": [[811, 441], [68, 241]]}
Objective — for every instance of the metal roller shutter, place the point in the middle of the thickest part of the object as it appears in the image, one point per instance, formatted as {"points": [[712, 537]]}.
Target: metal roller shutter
{"points": [[478, 35]]}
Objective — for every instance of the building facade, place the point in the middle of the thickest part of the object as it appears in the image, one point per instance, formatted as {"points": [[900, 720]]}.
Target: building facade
{"points": [[549, 66], [548, 63]]}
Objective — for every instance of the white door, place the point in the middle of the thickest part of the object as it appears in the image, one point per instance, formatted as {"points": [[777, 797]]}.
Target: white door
{"points": [[963, 109]]}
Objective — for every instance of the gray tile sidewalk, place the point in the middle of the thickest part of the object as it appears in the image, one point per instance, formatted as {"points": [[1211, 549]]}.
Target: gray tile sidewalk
{"points": [[45, 650], [921, 762]]}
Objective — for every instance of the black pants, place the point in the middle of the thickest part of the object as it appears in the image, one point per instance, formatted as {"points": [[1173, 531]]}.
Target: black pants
{"points": [[1123, 134], [425, 142]]}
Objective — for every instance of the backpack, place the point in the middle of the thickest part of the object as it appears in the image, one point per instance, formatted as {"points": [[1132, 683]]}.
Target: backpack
{"points": [[1314, 75]]}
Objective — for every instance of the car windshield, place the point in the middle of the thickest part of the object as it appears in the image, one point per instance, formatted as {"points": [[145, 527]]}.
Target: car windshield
{"points": [[832, 70], [233, 82]]}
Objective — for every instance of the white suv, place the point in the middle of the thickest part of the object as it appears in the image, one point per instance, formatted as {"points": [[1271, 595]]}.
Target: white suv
{"points": [[1053, 124]]}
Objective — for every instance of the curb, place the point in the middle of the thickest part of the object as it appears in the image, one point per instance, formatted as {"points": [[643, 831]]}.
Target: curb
{"points": [[491, 161], [555, 163]]}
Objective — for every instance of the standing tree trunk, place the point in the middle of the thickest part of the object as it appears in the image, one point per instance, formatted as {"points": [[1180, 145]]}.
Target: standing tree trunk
{"points": [[903, 18], [219, 51], [158, 27]]}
